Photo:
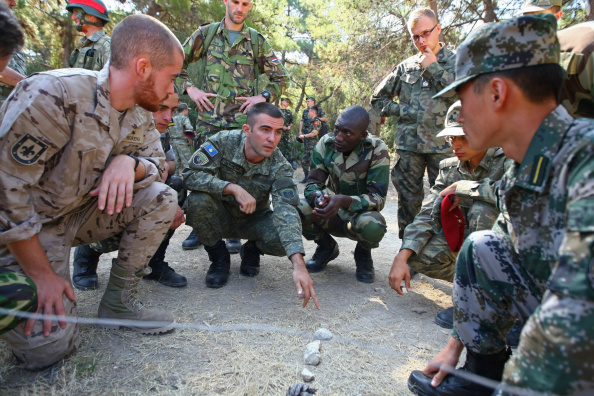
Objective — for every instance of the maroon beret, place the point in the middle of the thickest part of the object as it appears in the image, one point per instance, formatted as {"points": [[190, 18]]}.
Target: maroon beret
{"points": [[452, 224]]}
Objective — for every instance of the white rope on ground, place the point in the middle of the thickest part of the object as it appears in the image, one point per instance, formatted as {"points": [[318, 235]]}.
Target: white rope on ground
{"points": [[263, 327]]}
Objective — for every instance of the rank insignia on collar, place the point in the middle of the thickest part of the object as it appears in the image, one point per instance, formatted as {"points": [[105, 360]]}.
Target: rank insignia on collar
{"points": [[28, 150]]}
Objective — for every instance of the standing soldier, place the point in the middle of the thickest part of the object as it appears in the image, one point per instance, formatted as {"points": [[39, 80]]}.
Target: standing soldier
{"points": [[305, 120], [16, 70], [309, 138], [182, 146], [420, 117], [90, 17], [231, 58], [286, 143]]}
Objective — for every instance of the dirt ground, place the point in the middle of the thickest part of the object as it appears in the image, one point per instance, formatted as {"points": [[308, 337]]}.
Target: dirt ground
{"points": [[248, 338]]}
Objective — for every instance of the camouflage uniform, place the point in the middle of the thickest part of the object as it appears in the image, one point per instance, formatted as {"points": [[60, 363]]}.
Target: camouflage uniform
{"points": [[310, 142], [61, 123], [363, 176], [18, 64], [179, 141], [307, 121], [229, 74], [375, 122], [94, 53], [420, 118], [220, 161], [286, 143], [577, 58], [432, 256], [17, 293]]}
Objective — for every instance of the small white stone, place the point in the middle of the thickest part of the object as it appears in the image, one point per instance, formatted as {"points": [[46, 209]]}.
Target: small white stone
{"points": [[307, 375], [322, 334], [311, 355]]}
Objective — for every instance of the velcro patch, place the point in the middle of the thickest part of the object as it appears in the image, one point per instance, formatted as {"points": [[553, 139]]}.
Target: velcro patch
{"points": [[200, 158], [210, 150], [136, 136], [28, 150], [233, 166]]}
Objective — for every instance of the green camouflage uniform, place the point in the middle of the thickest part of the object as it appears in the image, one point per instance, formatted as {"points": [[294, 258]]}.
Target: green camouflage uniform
{"points": [[432, 256], [17, 293], [94, 53], [221, 160], [577, 58], [17, 63], [307, 121], [309, 142], [229, 74], [286, 143], [364, 176], [179, 141], [420, 118]]}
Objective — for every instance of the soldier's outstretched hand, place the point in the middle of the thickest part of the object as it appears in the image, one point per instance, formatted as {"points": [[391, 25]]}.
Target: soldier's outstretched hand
{"points": [[332, 203], [303, 281], [400, 272], [116, 187], [439, 367], [201, 98]]}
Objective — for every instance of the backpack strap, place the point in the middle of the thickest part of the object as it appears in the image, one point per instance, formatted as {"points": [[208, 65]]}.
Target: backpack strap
{"points": [[212, 30], [254, 38]]}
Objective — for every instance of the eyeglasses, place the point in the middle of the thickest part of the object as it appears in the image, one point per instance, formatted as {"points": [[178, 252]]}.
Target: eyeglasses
{"points": [[425, 34]]}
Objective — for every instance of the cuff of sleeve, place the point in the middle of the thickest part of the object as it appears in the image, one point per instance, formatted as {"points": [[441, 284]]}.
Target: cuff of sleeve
{"points": [[415, 246], [24, 231], [217, 187], [152, 174], [294, 247], [394, 110], [356, 205], [455, 334], [465, 188]]}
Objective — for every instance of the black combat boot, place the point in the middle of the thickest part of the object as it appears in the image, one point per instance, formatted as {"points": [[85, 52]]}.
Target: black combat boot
{"points": [[305, 174], [218, 272], [364, 263], [489, 366], [233, 245], [161, 271], [84, 271], [250, 259], [192, 242], [326, 251]]}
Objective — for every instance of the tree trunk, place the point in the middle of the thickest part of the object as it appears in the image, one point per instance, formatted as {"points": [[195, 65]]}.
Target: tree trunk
{"points": [[590, 16], [67, 40], [489, 13]]}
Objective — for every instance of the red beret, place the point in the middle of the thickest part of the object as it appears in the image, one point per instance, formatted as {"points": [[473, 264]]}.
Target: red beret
{"points": [[452, 224]]}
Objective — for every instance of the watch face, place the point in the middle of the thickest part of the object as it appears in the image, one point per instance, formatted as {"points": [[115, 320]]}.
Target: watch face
{"points": [[266, 95]]}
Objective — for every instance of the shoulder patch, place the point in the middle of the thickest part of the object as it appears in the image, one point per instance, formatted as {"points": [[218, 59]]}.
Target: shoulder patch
{"points": [[448, 163], [28, 150], [200, 158], [210, 150]]}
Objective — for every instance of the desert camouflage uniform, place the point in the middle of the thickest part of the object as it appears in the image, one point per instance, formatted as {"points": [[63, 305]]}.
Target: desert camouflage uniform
{"points": [[18, 64], [220, 161], [17, 293], [230, 73], [310, 142], [432, 256], [536, 264], [183, 150], [577, 58], [286, 143], [61, 123], [420, 118], [98, 44], [364, 176]]}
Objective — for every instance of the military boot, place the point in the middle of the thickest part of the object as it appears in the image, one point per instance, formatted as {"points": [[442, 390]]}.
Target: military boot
{"points": [[364, 263], [218, 272], [250, 259], [233, 245], [326, 251], [84, 271], [305, 174], [161, 271], [192, 242], [489, 366], [120, 302]]}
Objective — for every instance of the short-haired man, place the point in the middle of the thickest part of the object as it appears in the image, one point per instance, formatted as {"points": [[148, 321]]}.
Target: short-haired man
{"points": [[345, 193], [309, 137], [420, 117], [16, 69], [286, 143], [536, 263], [182, 145], [90, 17], [231, 179], [96, 128]]}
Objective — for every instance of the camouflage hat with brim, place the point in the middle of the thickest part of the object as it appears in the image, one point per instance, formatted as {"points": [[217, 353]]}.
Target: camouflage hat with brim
{"points": [[523, 41], [538, 5], [182, 106], [452, 126]]}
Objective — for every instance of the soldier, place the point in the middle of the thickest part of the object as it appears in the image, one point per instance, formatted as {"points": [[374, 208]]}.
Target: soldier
{"points": [[309, 138], [375, 122], [91, 126], [420, 117], [90, 17], [16, 70], [229, 68], [286, 143], [86, 257], [231, 179], [182, 146], [345, 193], [536, 263], [305, 120]]}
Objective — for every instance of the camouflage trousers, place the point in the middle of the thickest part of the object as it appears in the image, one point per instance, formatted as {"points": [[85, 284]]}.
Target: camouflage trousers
{"points": [[212, 222], [17, 293], [407, 176], [310, 144], [145, 224], [205, 130], [183, 153], [436, 260], [367, 228], [286, 145], [492, 290]]}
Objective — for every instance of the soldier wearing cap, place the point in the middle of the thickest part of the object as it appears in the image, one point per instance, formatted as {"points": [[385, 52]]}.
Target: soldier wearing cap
{"points": [[309, 136], [182, 145], [536, 264], [95, 51], [286, 143]]}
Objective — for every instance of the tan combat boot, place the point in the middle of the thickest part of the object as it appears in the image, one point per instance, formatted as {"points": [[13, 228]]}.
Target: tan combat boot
{"points": [[120, 302]]}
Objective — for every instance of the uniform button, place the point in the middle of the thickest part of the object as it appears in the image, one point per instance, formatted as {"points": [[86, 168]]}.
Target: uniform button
{"points": [[59, 228]]}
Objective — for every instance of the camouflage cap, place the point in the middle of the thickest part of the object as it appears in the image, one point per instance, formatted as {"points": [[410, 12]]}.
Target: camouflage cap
{"points": [[182, 106], [519, 42], [538, 5], [452, 126]]}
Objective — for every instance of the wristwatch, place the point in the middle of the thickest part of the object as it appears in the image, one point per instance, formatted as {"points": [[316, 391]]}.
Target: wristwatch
{"points": [[137, 161], [266, 95]]}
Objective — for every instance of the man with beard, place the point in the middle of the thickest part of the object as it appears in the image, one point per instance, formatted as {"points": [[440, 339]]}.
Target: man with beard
{"points": [[90, 16], [231, 57], [80, 160]]}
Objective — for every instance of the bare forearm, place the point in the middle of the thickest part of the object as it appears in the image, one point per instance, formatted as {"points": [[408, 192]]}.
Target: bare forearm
{"points": [[31, 257], [11, 77]]}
